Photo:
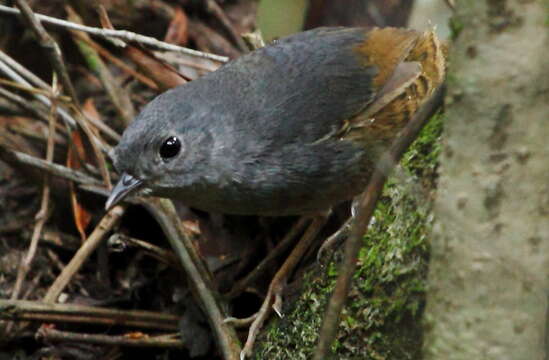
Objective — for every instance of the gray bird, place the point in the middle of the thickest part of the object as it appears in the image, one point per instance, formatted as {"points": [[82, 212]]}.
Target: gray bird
{"points": [[292, 128]]}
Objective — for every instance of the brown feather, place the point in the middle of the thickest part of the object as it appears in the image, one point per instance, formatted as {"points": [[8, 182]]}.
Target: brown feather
{"points": [[401, 91]]}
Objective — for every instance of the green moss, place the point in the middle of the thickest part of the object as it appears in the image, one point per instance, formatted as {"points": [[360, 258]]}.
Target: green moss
{"points": [[456, 26], [381, 318]]}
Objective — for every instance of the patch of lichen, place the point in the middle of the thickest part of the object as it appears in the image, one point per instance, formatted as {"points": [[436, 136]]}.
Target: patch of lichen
{"points": [[382, 317]]}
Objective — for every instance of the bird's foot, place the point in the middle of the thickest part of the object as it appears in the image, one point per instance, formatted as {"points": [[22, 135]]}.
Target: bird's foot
{"points": [[273, 299], [335, 239]]}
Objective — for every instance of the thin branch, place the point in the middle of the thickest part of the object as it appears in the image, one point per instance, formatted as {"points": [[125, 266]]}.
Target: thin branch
{"points": [[21, 75], [24, 104], [164, 213], [254, 40], [366, 208], [116, 61], [116, 93], [216, 11], [28, 75], [122, 34], [24, 310], [56, 59], [92, 242], [32, 90], [50, 46], [142, 340], [52, 168], [259, 270], [42, 215], [71, 123], [118, 242], [274, 294]]}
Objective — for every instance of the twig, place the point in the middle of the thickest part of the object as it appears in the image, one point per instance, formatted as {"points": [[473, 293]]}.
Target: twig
{"points": [[240, 322], [335, 238], [50, 46], [28, 75], [54, 53], [178, 59], [92, 242], [141, 340], [24, 310], [118, 96], [164, 213], [19, 73], [214, 9], [116, 61], [451, 4], [254, 40], [274, 294], [71, 123], [121, 34], [50, 167], [24, 104], [42, 214], [259, 270], [118, 242], [33, 90], [365, 210]]}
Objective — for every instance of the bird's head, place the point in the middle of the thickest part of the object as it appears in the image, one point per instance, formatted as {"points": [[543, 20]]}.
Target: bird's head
{"points": [[160, 149]]}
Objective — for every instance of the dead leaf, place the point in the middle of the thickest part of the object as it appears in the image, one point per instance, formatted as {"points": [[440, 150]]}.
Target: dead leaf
{"points": [[75, 158], [178, 32], [163, 74]]}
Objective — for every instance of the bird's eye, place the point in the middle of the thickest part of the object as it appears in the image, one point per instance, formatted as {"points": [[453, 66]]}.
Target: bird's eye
{"points": [[170, 148]]}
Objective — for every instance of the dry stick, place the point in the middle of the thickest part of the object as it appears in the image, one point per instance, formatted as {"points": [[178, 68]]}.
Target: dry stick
{"points": [[92, 242], [33, 79], [274, 296], [259, 270], [54, 53], [33, 284], [118, 96], [24, 310], [254, 40], [20, 74], [52, 168], [451, 4], [120, 241], [362, 219], [52, 48], [213, 8], [42, 214], [122, 34], [164, 213], [32, 90], [116, 61], [23, 104], [43, 99], [335, 238], [239, 323], [142, 340]]}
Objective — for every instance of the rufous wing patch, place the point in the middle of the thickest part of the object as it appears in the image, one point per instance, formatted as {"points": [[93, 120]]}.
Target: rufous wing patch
{"points": [[411, 65], [385, 48]]}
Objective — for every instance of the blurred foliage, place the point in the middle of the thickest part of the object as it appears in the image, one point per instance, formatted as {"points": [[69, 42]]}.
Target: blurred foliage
{"points": [[277, 18]]}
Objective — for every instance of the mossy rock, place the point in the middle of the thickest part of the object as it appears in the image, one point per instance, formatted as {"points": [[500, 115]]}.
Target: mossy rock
{"points": [[382, 318]]}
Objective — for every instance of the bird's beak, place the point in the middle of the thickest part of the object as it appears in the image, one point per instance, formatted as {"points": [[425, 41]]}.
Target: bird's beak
{"points": [[126, 185]]}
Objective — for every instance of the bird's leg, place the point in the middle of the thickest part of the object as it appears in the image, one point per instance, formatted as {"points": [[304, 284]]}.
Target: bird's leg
{"points": [[336, 238], [279, 249], [274, 294], [343, 232]]}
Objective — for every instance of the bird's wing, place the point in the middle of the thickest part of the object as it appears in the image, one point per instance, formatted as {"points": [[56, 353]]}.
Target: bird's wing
{"points": [[304, 87]]}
